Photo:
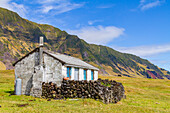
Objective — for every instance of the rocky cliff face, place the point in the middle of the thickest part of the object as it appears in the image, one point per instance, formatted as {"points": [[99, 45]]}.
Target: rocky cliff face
{"points": [[19, 36]]}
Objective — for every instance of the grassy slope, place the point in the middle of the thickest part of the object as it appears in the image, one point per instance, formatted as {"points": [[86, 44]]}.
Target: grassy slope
{"points": [[143, 95], [2, 66]]}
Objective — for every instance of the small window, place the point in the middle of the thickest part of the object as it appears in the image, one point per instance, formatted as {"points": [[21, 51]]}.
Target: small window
{"points": [[85, 74], [92, 75], [76, 74], [69, 72]]}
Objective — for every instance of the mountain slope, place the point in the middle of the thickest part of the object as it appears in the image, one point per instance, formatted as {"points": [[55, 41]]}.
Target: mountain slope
{"points": [[18, 36]]}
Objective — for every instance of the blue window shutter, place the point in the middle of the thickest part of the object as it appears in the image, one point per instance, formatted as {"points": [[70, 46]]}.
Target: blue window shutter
{"points": [[92, 75], [68, 75], [85, 73]]}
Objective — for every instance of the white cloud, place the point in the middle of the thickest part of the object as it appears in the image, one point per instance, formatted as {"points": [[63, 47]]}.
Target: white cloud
{"points": [[19, 8], [78, 25], [99, 34], [150, 5], [142, 1], [46, 9], [145, 50], [94, 21], [147, 4], [49, 1], [58, 6], [106, 6]]}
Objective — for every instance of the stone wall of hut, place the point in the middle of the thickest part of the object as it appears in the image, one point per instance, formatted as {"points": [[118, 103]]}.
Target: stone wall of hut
{"points": [[32, 74], [49, 71], [24, 70], [52, 70]]}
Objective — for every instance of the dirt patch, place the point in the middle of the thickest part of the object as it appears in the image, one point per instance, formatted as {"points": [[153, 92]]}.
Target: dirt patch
{"points": [[22, 105], [32, 100]]}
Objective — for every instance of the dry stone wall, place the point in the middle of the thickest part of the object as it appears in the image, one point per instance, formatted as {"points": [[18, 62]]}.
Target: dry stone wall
{"points": [[107, 91]]}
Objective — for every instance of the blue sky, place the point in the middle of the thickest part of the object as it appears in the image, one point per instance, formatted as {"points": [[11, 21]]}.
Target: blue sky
{"points": [[140, 27]]}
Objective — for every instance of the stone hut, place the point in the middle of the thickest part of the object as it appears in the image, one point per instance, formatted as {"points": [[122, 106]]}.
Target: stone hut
{"points": [[45, 66]]}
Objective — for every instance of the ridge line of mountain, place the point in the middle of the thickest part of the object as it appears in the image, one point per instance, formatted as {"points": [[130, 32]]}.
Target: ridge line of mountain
{"points": [[19, 36]]}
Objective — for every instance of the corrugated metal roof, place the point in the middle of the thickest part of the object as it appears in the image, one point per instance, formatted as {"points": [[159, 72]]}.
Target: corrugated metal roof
{"points": [[71, 61]]}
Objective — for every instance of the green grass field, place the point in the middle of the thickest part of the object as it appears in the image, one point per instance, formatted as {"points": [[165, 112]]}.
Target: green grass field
{"points": [[142, 96]]}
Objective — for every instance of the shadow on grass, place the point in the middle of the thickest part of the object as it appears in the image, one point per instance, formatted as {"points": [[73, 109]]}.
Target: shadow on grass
{"points": [[11, 92]]}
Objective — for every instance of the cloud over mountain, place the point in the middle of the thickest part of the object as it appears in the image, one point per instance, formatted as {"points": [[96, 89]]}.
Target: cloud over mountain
{"points": [[13, 6], [59, 6], [98, 34], [146, 50]]}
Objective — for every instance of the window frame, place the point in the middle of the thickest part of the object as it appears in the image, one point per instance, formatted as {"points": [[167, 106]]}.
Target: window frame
{"points": [[78, 72]]}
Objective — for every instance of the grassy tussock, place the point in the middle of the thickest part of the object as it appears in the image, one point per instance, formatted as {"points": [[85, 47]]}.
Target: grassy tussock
{"points": [[142, 96]]}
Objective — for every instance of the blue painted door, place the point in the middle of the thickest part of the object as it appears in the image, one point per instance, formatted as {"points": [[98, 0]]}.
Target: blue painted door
{"points": [[92, 75], [85, 74]]}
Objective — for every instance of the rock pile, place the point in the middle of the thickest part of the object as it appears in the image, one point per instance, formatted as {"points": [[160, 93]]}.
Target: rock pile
{"points": [[104, 90]]}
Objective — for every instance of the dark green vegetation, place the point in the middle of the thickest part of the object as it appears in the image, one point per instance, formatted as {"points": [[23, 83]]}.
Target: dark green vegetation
{"points": [[19, 36], [142, 96]]}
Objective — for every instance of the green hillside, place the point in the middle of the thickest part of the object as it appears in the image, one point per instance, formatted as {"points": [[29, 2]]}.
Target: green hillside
{"points": [[142, 96], [19, 36]]}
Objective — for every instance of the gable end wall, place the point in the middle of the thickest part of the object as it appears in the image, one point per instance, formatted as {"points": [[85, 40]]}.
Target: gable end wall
{"points": [[24, 70]]}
